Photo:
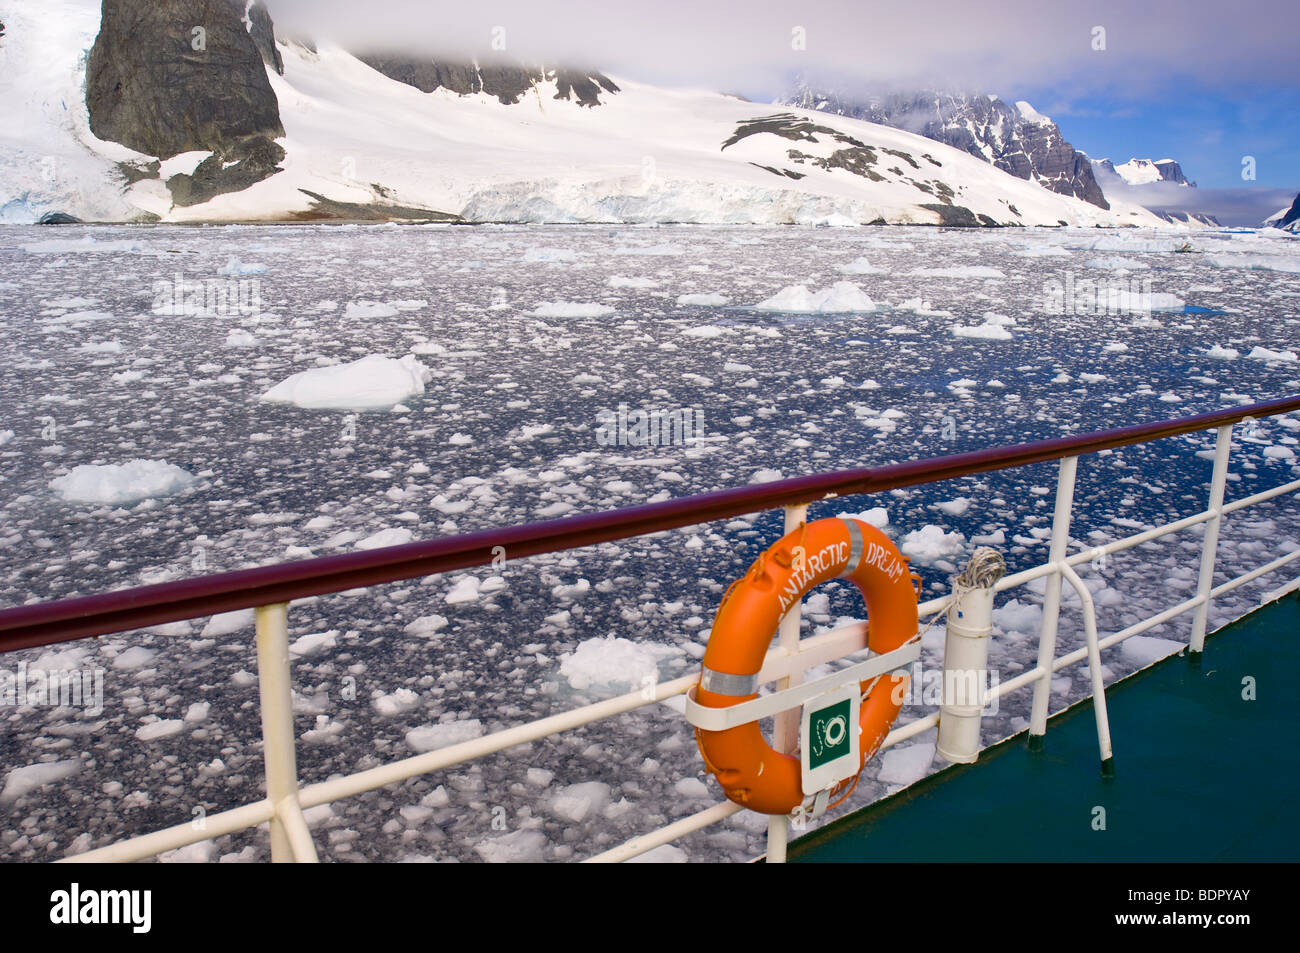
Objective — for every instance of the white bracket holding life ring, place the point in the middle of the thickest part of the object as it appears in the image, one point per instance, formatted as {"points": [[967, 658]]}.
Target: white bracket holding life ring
{"points": [[720, 719]]}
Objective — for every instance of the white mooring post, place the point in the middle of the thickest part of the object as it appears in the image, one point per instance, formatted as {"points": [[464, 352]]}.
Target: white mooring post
{"points": [[1210, 546], [966, 655], [277, 720], [785, 733]]}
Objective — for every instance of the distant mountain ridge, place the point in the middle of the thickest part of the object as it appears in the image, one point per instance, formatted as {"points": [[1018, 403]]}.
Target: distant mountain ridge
{"points": [[509, 82], [1146, 171], [119, 111], [1158, 185], [1016, 139]]}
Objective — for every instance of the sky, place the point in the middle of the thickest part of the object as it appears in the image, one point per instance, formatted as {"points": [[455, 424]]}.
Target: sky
{"points": [[1206, 83]]}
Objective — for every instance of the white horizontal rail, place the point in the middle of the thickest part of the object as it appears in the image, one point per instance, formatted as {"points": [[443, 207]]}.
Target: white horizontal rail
{"points": [[1235, 505], [666, 835], [173, 838]]}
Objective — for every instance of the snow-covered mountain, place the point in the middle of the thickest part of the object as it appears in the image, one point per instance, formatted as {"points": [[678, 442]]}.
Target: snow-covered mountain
{"points": [[1146, 171], [100, 122], [1015, 138], [1287, 219], [1157, 185]]}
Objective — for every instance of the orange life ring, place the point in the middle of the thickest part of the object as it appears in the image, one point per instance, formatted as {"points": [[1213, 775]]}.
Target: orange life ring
{"points": [[750, 771]]}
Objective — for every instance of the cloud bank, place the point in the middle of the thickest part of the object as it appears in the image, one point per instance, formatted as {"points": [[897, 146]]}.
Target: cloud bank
{"points": [[758, 44]]}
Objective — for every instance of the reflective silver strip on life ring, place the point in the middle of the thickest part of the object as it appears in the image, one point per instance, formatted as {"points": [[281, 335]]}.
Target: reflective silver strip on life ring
{"points": [[857, 546], [722, 683]]}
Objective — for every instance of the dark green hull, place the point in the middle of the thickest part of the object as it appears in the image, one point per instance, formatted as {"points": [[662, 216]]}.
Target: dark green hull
{"points": [[1201, 772]]}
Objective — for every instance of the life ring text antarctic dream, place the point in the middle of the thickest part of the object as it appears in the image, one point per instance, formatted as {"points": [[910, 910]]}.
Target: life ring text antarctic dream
{"points": [[750, 771]]}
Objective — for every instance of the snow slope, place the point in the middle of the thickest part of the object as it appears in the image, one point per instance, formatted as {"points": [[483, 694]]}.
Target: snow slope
{"points": [[647, 155], [49, 159]]}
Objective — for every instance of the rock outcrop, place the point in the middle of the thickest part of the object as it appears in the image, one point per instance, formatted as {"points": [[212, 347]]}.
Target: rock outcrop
{"points": [[1287, 219], [508, 82], [262, 30], [173, 76], [244, 164], [1015, 138]]}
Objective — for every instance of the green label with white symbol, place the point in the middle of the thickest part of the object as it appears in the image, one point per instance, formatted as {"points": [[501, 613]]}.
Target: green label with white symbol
{"points": [[828, 734], [828, 738]]}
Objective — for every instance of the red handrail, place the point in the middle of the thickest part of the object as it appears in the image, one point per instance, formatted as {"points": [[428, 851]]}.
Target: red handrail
{"points": [[50, 623]]}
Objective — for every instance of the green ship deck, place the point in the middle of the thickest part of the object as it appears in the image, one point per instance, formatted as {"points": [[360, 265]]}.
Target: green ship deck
{"points": [[1201, 773]]}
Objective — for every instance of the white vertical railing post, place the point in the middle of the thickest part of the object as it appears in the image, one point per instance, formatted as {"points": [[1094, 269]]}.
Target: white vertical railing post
{"points": [[1104, 747], [1210, 546], [1052, 601], [277, 720], [785, 731]]}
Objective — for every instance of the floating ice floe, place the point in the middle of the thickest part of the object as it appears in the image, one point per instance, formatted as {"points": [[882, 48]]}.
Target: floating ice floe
{"points": [[707, 332], [920, 307], [240, 338], [576, 802], [115, 485], [397, 536], [859, 266], [840, 298], [619, 281], [906, 765], [236, 267], [960, 271], [426, 625], [372, 383], [993, 329], [313, 644], [537, 254], [1116, 263], [1146, 649], [228, 623], [1136, 243], [432, 737], [703, 300], [21, 781], [364, 310], [160, 729], [1257, 262], [1264, 354], [660, 250], [571, 309], [517, 847], [614, 661], [86, 244], [1014, 615], [1042, 251], [78, 317], [930, 543], [877, 516]]}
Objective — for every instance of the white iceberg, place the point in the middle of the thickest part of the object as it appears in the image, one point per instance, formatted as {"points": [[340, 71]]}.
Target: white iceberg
{"points": [[839, 298], [372, 383], [128, 483]]}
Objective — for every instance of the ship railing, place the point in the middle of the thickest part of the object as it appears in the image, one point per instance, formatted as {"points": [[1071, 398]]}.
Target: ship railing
{"points": [[269, 590]]}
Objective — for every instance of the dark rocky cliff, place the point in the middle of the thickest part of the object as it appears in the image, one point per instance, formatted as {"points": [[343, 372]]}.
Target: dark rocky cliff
{"points": [[984, 126], [1291, 220], [262, 29], [173, 76], [508, 82]]}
